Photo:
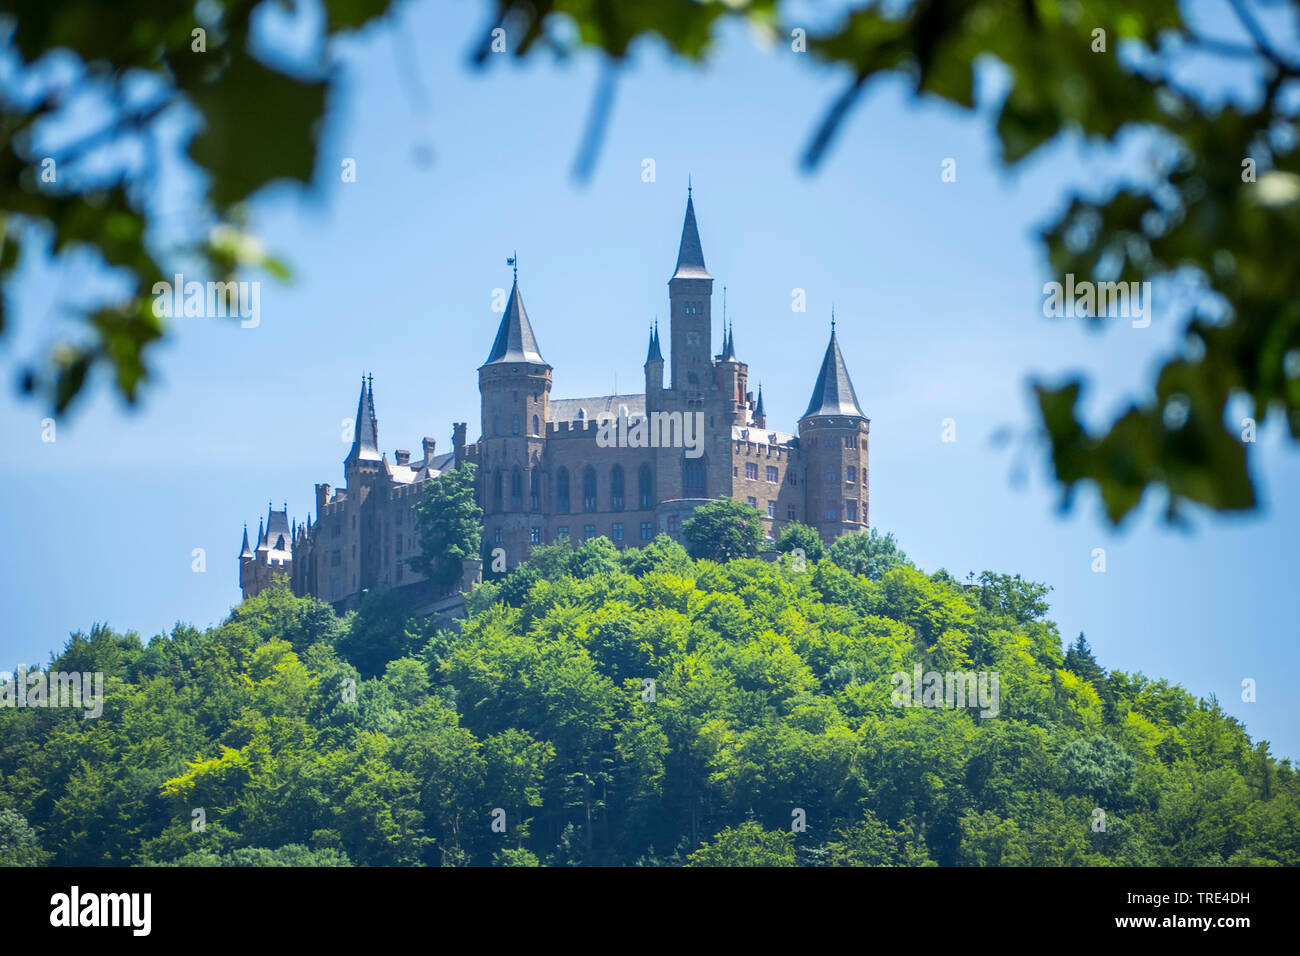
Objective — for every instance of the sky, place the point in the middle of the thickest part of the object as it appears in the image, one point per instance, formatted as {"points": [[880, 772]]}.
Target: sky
{"points": [[937, 289]]}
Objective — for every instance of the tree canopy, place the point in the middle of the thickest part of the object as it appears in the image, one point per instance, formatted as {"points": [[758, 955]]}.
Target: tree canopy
{"points": [[636, 707]]}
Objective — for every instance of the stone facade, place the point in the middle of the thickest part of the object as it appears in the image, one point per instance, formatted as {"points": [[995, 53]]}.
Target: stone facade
{"points": [[625, 467]]}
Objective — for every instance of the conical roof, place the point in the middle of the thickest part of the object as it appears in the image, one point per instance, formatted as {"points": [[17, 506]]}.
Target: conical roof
{"points": [[690, 255], [515, 341], [833, 394]]}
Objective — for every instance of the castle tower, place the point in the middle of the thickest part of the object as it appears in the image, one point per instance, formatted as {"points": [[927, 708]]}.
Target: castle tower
{"points": [[833, 436], [732, 376], [514, 389], [246, 559], [363, 470], [760, 416], [690, 292], [654, 373]]}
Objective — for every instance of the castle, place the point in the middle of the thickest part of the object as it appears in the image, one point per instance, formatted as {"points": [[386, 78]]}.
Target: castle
{"points": [[547, 469]]}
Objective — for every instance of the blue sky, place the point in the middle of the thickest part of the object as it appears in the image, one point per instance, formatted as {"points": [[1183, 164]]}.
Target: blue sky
{"points": [[937, 288]]}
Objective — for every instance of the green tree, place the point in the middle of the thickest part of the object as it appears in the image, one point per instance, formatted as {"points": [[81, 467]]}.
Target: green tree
{"points": [[723, 530], [746, 845], [798, 535], [873, 554], [448, 526]]}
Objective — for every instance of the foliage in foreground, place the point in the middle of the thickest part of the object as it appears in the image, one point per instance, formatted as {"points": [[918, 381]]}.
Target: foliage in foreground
{"points": [[772, 694]]}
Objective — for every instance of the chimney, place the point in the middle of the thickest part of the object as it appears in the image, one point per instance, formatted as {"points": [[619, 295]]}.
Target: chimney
{"points": [[403, 456], [322, 496], [458, 439], [428, 444]]}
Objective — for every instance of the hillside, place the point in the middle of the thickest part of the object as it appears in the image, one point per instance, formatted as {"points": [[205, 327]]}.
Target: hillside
{"points": [[287, 735]]}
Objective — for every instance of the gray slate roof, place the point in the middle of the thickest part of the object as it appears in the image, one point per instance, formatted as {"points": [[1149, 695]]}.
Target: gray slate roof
{"points": [[515, 341], [365, 434], [566, 409], [690, 256], [833, 394]]}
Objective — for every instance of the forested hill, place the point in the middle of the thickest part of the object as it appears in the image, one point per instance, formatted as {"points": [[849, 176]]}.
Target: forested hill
{"points": [[774, 732]]}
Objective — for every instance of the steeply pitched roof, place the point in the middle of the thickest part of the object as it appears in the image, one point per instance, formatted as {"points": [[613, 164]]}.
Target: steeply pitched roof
{"points": [[833, 394], [365, 433], [566, 409], [758, 409], [653, 353], [245, 551], [515, 341], [690, 256]]}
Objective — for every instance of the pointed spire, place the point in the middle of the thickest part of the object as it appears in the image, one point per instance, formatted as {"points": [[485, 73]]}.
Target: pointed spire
{"points": [[261, 535], [365, 433], [833, 394], [653, 353], [758, 408], [515, 341], [690, 256], [245, 551], [729, 346]]}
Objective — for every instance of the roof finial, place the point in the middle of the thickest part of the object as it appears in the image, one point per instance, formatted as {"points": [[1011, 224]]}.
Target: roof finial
{"points": [[514, 261], [688, 185], [832, 318]]}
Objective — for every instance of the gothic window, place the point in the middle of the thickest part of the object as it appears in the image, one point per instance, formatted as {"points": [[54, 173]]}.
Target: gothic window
{"points": [[832, 475], [534, 490], [693, 477], [850, 510], [789, 513], [589, 489], [516, 490], [616, 488], [848, 441], [850, 474], [497, 502], [645, 487], [514, 425], [534, 535], [562, 491], [535, 424]]}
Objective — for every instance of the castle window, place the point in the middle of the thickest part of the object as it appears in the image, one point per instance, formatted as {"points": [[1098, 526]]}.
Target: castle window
{"points": [[832, 475], [753, 502], [864, 444], [848, 441], [496, 424], [588, 532], [562, 532], [771, 508], [773, 475], [562, 491], [535, 535], [535, 424], [399, 544], [514, 425], [516, 490], [792, 478], [672, 525], [497, 501], [850, 474], [335, 558], [534, 490], [497, 536], [850, 510], [616, 531], [751, 471], [832, 513], [647, 531], [693, 477], [589, 489], [399, 572], [789, 513], [645, 487], [616, 488]]}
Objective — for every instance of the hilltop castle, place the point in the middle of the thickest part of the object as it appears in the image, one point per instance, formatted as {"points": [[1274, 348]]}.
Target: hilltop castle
{"points": [[547, 470]]}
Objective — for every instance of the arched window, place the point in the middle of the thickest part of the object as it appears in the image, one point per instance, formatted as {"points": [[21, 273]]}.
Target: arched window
{"points": [[562, 491], [693, 477], [589, 489], [535, 424], [534, 490], [516, 490], [514, 425], [497, 503], [645, 487], [616, 488]]}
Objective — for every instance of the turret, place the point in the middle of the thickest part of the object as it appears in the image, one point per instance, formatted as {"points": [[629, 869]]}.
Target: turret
{"points": [[760, 416], [833, 434], [654, 372]]}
